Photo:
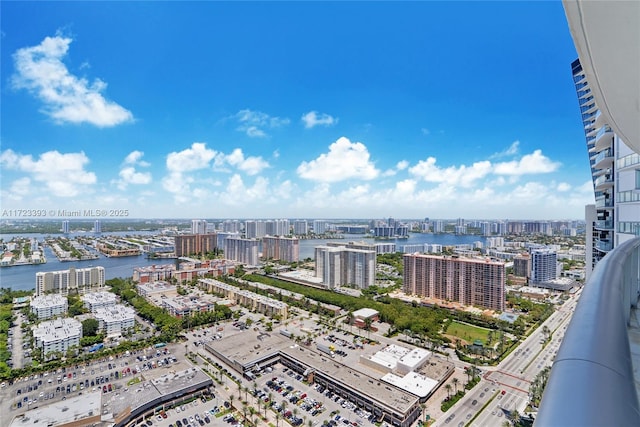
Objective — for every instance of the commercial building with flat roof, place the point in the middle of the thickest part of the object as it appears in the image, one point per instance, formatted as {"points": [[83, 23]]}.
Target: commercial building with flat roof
{"points": [[48, 306], [57, 335]]}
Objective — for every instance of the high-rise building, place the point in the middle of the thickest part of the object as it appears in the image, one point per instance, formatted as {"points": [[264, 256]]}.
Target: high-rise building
{"points": [[230, 226], [300, 227], [191, 244], [198, 226], [279, 248], [522, 265], [244, 251], [340, 265], [544, 265], [74, 279], [255, 229], [65, 227], [469, 281], [319, 226], [97, 226], [615, 217]]}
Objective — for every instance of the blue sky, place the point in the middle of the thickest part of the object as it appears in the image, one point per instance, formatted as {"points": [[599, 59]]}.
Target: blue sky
{"points": [[319, 110]]}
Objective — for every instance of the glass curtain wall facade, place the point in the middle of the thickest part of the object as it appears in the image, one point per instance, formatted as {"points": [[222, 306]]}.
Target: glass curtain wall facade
{"points": [[615, 171]]}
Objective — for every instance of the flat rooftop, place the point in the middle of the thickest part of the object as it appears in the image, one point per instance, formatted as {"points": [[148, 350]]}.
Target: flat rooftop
{"points": [[248, 346], [60, 413], [386, 395]]}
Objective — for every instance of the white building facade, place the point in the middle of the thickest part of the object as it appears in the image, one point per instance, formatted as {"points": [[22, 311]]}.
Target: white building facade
{"points": [[48, 306]]}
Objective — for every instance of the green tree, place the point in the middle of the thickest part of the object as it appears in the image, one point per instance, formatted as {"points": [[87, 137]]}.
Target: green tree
{"points": [[90, 327]]}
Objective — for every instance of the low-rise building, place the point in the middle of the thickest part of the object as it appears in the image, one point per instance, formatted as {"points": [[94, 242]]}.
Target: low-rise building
{"points": [[57, 335], [96, 300], [48, 306], [115, 319]]}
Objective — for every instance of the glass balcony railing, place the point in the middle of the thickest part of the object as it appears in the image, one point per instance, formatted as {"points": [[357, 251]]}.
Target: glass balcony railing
{"points": [[592, 378], [604, 225], [603, 130], [604, 246], [604, 179], [606, 154], [605, 203]]}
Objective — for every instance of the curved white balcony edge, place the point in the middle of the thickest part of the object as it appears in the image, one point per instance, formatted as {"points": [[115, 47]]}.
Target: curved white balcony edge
{"points": [[592, 379]]}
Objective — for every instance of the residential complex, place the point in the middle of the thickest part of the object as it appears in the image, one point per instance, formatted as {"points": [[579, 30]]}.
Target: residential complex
{"points": [[189, 244], [48, 306], [80, 280], [115, 319], [255, 302], [544, 265], [468, 281], [57, 335], [244, 251], [342, 265], [615, 217], [186, 271], [97, 300], [281, 248]]}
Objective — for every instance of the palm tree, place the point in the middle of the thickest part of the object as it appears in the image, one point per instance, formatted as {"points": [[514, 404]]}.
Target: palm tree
{"points": [[514, 416], [455, 384], [277, 419], [231, 397], [244, 410], [367, 326], [423, 406], [239, 390], [448, 388]]}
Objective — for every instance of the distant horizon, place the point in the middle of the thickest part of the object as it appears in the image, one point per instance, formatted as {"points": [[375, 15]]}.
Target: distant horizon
{"points": [[102, 220]]}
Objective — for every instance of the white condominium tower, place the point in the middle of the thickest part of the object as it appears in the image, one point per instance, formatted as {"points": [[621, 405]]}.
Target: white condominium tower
{"points": [[345, 266], [244, 251], [198, 226], [77, 279]]}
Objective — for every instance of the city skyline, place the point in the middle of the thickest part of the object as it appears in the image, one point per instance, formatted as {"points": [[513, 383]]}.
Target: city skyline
{"points": [[254, 110]]}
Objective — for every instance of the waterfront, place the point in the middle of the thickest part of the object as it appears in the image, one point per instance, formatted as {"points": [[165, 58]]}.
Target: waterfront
{"points": [[23, 277]]}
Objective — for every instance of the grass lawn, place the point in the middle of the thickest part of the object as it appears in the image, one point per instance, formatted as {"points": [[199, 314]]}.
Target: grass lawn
{"points": [[468, 333]]}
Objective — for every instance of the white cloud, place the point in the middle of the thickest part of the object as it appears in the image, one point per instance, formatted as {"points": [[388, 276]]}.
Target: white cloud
{"points": [[134, 157], [190, 159], [250, 165], [344, 160], [533, 163], [425, 131], [128, 173], [563, 187], [512, 150], [400, 166], [313, 118], [67, 98], [464, 176], [254, 123], [63, 175]]}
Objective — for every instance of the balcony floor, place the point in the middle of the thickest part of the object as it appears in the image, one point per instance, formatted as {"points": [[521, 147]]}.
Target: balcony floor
{"points": [[634, 341]]}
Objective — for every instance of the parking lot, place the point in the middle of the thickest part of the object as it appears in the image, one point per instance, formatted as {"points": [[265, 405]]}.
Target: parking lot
{"points": [[107, 375]]}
